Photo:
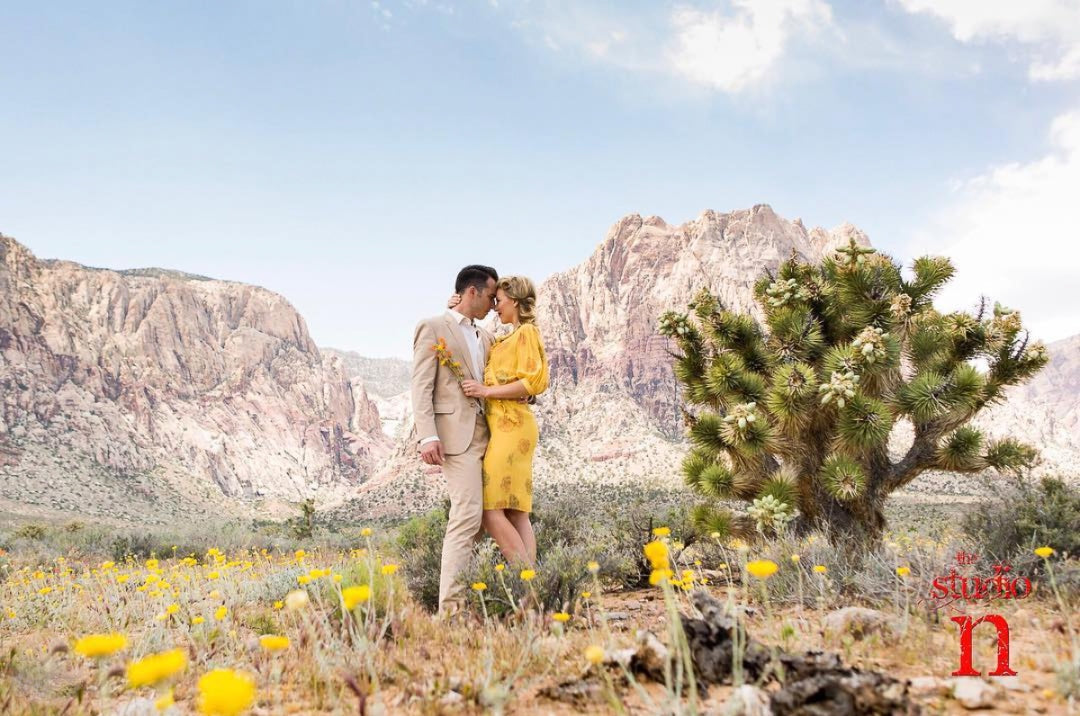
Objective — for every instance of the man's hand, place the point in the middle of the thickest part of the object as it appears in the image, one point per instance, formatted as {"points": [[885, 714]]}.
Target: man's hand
{"points": [[432, 453], [454, 300]]}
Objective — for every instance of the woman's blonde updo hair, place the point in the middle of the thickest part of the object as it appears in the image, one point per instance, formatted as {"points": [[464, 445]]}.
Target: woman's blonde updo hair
{"points": [[520, 289]]}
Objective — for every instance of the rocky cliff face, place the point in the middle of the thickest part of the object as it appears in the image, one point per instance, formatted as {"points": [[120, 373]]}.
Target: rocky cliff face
{"points": [[215, 382], [599, 318], [386, 382]]}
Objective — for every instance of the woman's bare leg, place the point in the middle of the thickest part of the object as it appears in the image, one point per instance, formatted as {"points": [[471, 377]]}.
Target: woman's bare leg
{"points": [[524, 528], [506, 536]]}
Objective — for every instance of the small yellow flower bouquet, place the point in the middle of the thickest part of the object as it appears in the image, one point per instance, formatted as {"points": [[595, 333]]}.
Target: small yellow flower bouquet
{"points": [[446, 359]]}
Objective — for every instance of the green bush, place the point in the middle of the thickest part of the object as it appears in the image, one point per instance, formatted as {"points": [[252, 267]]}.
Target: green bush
{"points": [[419, 541], [1018, 520], [609, 527], [561, 575], [30, 531]]}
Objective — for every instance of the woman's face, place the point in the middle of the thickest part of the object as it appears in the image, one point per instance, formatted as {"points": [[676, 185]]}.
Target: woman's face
{"points": [[506, 307]]}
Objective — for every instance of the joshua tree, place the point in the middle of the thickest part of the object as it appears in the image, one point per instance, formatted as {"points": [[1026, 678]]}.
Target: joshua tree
{"points": [[795, 418]]}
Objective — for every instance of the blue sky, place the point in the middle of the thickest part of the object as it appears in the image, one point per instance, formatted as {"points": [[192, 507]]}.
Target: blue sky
{"points": [[353, 155]]}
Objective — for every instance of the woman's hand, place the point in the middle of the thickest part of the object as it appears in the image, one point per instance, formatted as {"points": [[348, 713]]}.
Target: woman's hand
{"points": [[455, 299], [474, 389]]}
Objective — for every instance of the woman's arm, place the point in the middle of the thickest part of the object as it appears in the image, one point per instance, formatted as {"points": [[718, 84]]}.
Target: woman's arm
{"points": [[510, 391]]}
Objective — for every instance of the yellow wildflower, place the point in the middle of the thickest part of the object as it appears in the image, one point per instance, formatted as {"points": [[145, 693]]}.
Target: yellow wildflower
{"points": [[44, 590], [820, 568], [593, 566], [561, 617], [214, 575], [172, 609], [303, 579], [479, 586], [761, 568], [336, 578], [594, 654], [657, 554], [197, 620], [658, 576], [97, 645], [527, 575], [500, 567], [225, 692], [795, 558], [299, 555], [221, 612], [155, 667], [121, 578], [273, 642], [278, 604], [389, 569], [355, 595], [661, 531], [903, 571], [1044, 552], [586, 595], [366, 532]]}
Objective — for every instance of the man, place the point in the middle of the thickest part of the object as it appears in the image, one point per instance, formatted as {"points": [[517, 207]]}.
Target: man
{"points": [[451, 429]]}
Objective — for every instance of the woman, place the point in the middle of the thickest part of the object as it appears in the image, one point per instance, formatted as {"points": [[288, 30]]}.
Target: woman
{"points": [[517, 368]]}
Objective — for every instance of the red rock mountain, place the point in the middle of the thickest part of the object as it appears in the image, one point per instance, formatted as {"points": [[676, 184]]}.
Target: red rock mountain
{"points": [[213, 386]]}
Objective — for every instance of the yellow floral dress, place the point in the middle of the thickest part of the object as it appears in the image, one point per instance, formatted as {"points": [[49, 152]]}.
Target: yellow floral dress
{"points": [[508, 460]]}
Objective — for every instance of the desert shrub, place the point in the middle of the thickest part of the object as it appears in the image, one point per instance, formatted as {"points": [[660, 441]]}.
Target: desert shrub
{"points": [[561, 575], [419, 542], [610, 529], [30, 531], [1010, 526], [260, 623]]}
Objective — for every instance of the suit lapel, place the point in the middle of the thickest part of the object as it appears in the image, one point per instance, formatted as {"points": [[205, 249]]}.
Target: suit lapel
{"points": [[457, 346]]}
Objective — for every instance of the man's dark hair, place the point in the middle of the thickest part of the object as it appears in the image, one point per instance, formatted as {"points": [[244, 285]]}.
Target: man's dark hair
{"points": [[474, 275]]}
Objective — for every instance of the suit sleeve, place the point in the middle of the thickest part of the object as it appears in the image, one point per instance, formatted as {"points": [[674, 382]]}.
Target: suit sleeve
{"points": [[532, 365], [425, 366]]}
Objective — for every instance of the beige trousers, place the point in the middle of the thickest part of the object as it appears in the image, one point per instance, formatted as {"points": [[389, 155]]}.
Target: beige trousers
{"points": [[465, 484]]}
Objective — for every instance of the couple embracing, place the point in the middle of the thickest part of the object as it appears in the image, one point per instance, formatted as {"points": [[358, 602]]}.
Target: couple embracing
{"points": [[470, 398]]}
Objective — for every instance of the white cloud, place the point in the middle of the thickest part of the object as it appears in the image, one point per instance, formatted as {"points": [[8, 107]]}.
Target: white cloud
{"points": [[732, 51], [1049, 28], [1012, 235]]}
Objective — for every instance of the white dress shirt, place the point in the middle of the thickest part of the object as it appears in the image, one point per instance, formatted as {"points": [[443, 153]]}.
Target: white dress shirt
{"points": [[472, 340], [471, 335]]}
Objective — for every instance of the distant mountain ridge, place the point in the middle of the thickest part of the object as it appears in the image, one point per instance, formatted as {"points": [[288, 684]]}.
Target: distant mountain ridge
{"points": [[163, 387], [214, 388]]}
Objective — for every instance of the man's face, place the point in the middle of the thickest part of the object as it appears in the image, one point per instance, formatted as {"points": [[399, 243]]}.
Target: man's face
{"points": [[483, 300]]}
